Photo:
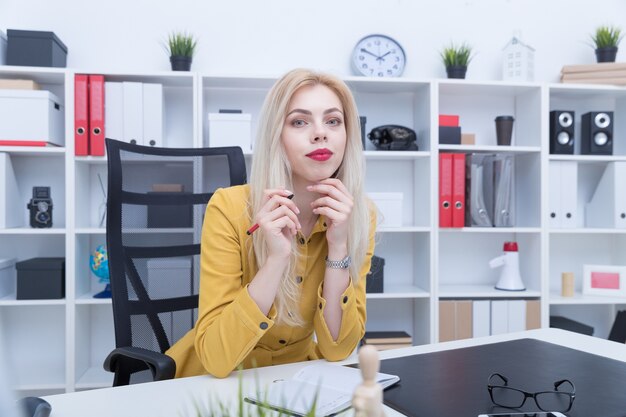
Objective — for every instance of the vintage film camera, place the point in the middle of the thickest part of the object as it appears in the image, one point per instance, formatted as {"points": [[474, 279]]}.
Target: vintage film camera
{"points": [[40, 207], [393, 138]]}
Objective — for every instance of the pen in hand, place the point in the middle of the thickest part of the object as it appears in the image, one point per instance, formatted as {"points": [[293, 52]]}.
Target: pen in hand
{"points": [[256, 225]]}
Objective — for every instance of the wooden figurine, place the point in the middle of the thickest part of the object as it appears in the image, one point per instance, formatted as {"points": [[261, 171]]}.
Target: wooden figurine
{"points": [[368, 397]]}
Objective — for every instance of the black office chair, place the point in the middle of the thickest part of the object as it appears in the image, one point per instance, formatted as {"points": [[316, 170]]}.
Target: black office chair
{"points": [[155, 207]]}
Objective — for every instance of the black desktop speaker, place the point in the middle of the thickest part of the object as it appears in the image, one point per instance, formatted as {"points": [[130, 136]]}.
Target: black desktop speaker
{"points": [[562, 132], [597, 133]]}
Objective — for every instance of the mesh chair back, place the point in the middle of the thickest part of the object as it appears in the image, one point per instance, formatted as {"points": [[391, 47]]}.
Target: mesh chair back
{"points": [[155, 208]]}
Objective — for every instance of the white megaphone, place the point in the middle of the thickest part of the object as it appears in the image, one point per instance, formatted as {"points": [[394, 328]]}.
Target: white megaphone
{"points": [[510, 279]]}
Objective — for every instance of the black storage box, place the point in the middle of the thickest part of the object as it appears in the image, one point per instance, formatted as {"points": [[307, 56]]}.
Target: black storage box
{"points": [[375, 277], [169, 216], [564, 323], [41, 279], [449, 135], [35, 49]]}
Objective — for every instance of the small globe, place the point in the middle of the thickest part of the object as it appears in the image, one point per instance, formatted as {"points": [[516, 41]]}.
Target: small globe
{"points": [[99, 264]]}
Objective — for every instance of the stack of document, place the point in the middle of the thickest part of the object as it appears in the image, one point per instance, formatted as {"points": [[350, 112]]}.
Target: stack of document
{"points": [[602, 73], [489, 190], [330, 387]]}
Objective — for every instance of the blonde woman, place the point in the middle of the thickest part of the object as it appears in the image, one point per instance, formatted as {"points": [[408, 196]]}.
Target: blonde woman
{"points": [[291, 288]]}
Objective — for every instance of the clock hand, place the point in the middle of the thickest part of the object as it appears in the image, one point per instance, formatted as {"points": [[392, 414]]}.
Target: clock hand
{"points": [[368, 52], [382, 58]]}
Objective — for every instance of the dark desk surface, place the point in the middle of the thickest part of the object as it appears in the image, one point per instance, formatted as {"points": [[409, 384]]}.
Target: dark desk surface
{"points": [[453, 383]]}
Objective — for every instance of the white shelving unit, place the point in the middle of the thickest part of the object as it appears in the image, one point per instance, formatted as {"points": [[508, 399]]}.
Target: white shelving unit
{"points": [[59, 345]]}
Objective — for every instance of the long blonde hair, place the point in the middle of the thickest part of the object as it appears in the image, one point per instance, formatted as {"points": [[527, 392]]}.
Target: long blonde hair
{"points": [[271, 169]]}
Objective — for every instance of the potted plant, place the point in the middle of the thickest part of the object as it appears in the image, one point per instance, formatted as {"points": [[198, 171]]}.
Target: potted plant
{"points": [[181, 47], [456, 59], [606, 39]]}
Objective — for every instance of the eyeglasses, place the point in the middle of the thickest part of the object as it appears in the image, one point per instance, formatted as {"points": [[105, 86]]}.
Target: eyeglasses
{"points": [[505, 396]]}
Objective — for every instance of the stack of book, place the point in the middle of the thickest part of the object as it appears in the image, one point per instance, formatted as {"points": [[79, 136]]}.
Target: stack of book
{"points": [[388, 339], [602, 73]]}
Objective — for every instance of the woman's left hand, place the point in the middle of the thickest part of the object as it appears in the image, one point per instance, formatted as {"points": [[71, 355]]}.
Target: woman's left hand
{"points": [[336, 205]]}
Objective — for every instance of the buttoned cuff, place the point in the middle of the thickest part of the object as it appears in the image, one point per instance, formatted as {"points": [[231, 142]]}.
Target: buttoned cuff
{"points": [[251, 316], [348, 303]]}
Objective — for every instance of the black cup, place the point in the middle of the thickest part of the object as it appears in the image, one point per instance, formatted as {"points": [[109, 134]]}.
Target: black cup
{"points": [[504, 130]]}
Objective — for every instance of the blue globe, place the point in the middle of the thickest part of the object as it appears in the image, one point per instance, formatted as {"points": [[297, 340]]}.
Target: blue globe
{"points": [[99, 264]]}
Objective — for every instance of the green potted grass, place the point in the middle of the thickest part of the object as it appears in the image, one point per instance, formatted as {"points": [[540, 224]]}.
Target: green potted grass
{"points": [[181, 47], [456, 59], [606, 40]]}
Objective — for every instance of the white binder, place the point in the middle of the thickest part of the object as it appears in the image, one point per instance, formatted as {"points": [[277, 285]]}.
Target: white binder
{"points": [[153, 114], [517, 315], [607, 208], [554, 196], [12, 207], [133, 112], [481, 315], [499, 317], [563, 196], [114, 110]]}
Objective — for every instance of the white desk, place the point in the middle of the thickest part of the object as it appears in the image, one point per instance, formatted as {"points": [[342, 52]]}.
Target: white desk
{"points": [[175, 398]]}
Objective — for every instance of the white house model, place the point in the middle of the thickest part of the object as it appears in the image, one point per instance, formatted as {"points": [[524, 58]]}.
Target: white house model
{"points": [[518, 63]]}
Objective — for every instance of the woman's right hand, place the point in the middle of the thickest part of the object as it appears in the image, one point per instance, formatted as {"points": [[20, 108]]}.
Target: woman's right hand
{"points": [[278, 220]]}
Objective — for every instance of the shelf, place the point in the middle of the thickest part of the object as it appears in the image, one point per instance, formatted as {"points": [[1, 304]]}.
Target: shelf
{"points": [[452, 87], [585, 91], [10, 300], [91, 231], [482, 291], [489, 230], [34, 150], [403, 229], [400, 291], [91, 159], [167, 78], [87, 299], [32, 231], [395, 155], [581, 299], [492, 149], [588, 158], [166, 230], [586, 231], [95, 377], [42, 75]]}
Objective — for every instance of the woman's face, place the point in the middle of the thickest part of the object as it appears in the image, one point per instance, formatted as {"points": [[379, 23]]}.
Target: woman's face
{"points": [[314, 133]]}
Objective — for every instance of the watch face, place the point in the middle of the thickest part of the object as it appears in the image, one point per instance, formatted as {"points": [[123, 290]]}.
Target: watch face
{"points": [[378, 56]]}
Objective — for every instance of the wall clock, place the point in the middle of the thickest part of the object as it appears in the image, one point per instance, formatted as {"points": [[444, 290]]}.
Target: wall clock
{"points": [[378, 56]]}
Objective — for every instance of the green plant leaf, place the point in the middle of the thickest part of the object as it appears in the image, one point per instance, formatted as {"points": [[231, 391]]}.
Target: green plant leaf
{"points": [[607, 36], [456, 56], [181, 44]]}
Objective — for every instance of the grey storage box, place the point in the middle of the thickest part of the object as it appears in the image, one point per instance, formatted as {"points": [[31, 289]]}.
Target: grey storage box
{"points": [[35, 49], [374, 283], [169, 216], [41, 279]]}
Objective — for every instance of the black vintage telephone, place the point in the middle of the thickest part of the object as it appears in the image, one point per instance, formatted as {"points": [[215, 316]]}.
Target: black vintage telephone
{"points": [[393, 138]]}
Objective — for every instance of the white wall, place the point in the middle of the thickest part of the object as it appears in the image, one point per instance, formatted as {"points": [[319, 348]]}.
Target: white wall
{"points": [[268, 37]]}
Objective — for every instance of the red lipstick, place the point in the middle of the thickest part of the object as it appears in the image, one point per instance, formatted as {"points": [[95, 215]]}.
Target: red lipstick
{"points": [[321, 155]]}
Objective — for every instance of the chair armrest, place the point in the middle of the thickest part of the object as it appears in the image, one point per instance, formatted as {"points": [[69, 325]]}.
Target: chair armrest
{"points": [[162, 366]]}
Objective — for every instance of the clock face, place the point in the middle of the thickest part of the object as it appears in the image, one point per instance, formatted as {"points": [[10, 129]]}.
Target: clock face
{"points": [[378, 56]]}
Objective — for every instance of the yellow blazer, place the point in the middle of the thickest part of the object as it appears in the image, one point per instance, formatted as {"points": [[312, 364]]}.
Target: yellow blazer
{"points": [[231, 330]]}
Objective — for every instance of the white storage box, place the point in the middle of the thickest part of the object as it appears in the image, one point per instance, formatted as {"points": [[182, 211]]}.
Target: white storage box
{"points": [[8, 277], [230, 129], [31, 118], [389, 208]]}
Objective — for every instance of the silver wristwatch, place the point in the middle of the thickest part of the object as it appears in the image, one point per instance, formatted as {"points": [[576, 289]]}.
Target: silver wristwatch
{"points": [[342, 264]]}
